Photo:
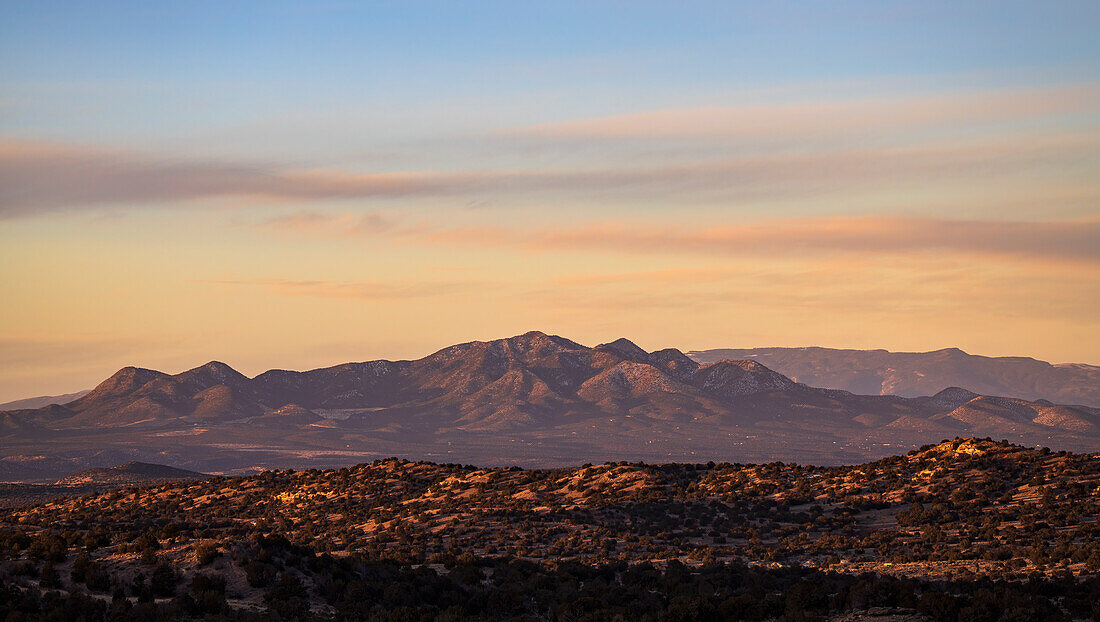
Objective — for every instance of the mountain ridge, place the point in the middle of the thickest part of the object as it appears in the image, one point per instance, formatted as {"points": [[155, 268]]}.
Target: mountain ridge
{"points": [[914, 374], [40, 401], [534, 399]]}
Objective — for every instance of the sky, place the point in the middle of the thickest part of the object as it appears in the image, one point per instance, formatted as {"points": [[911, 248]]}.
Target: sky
{"points": [[294, 185]]}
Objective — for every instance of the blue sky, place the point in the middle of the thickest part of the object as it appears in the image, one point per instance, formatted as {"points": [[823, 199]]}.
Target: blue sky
{"points": [[165, 69]]}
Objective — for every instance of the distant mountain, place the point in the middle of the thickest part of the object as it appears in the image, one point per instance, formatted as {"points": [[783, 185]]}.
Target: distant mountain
{"points": [[532, 399], [44, 400], [129, 473], [911, 374]]}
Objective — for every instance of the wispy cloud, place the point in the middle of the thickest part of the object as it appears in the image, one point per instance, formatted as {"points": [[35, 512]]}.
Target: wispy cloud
{"points": [[885, 287], [875, 235], [1064, 240], [37, 177], [357, 290], [330, 224], [830, 117]]}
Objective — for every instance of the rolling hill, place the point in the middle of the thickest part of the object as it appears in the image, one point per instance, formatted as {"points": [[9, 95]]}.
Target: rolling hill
{"points": [[963, 530], [131, 473]]}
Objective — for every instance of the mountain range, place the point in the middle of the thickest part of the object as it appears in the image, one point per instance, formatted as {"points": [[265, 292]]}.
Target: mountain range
{"points": [[912, 374], [533, 399], [42, 400]]}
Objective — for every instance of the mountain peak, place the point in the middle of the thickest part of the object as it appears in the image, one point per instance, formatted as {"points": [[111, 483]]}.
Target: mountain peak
{"points": [[212, 373], [537, 339], [216, 367], [673, 361], [123, 381], [743, 377], [533, 336], [530, 344], [133, 374], [623, 346], [751, 365], [955, 393], [954, 396]]}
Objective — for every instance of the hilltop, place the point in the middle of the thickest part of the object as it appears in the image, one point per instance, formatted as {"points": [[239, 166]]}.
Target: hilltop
{"points": [[917, 533], [128, 474], [91, 481], [533, 400]]}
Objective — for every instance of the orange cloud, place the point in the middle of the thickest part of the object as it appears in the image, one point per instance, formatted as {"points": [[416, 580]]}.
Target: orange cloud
{"points": [[321, 223], [1064, 240], [359, 290], [877, 288], [37, 177], [837, 117]]}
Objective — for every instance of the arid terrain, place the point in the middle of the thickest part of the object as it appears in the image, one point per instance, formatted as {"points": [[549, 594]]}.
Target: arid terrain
{"points": [[962, 530], [533, 400], [93, 480], [694, 499], [274, 274]]}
